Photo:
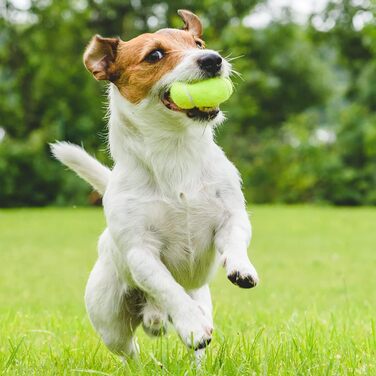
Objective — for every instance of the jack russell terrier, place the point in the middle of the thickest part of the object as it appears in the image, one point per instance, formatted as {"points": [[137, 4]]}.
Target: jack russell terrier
{"points": [[173, 201]]}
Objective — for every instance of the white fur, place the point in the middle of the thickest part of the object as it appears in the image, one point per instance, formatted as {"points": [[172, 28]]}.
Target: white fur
{"points": [[174, 208], [83, 164]]}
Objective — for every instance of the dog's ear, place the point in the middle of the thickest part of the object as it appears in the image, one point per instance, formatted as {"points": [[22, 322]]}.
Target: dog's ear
{"points": [[100, 56], [191, 22]]}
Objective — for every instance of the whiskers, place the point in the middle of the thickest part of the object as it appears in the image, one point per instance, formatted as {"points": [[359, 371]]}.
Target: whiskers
{"points": [[230, 58], [237, 74]]}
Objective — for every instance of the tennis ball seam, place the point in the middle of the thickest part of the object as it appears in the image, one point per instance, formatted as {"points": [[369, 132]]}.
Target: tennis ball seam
{"points": [[189, 95]]}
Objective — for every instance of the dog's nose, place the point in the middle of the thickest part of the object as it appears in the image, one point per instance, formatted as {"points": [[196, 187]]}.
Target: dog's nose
{"points": [[210, 63]]}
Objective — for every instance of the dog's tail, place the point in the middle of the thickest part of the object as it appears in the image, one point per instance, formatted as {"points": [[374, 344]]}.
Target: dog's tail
{"points": [[83, 164]]}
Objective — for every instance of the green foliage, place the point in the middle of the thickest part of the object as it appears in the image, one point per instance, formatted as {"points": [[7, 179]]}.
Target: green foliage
{"points": [[282, 74], [296, 81]]}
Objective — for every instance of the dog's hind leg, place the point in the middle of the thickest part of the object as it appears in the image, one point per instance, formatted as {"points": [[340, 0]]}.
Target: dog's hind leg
{"points": [[114, 309], [154, 319]]}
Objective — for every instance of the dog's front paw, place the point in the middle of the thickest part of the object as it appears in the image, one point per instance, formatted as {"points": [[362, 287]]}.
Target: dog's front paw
{"points": [[193, 327], [245, 281], [242, 274]]}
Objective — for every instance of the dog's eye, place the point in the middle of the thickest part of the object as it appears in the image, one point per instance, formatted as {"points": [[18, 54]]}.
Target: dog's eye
{"points": [[199, 44], [154, 56]]}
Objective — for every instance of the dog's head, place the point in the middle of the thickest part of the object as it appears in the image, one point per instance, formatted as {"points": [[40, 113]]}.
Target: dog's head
{"points": [[144, 68]]}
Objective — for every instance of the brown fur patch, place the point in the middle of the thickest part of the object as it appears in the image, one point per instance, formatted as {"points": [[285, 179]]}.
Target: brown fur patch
{"points": [[137, 76], [191, 22]]}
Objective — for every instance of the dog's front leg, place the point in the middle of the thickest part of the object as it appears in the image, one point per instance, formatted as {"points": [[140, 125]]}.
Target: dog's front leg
{"points": [[232, 240], [152, 276], [203, 298]]}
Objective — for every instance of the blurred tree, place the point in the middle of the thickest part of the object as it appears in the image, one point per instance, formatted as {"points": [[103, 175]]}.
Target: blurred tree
{"points": [[301, 124], [46, 93]]}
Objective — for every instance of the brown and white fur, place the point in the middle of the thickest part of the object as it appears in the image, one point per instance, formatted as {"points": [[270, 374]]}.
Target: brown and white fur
{"points": [[173, 201]]}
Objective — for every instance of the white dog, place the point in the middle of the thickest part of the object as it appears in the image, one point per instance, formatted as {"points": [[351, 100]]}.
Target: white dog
{"points": [[173, 201]]}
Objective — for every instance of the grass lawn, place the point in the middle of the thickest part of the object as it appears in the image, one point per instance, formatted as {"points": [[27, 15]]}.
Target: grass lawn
{"points": [[313, 313]]}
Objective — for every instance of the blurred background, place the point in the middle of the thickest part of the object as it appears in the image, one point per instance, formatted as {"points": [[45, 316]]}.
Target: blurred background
{"points": [[301, 125]]}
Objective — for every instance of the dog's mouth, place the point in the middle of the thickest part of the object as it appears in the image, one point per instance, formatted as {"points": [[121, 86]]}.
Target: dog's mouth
{"points": [[196, 113]]}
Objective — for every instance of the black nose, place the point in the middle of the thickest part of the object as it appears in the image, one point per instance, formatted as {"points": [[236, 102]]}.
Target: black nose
{"points": [[210, 63]]}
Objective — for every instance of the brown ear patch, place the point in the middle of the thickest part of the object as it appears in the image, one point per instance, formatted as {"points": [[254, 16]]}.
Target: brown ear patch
{"points": [[191, 22], [100, 56]]}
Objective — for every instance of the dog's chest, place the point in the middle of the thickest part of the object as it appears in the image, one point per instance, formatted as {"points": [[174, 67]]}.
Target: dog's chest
{"points": [[185, 225], [190, 219]]}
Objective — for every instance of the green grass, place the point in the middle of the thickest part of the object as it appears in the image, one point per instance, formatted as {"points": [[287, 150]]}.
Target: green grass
{"points": [[313, 313]]}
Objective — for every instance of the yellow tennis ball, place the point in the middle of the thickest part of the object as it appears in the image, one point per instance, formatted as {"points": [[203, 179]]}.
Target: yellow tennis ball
{"points": [[206, 93]]}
